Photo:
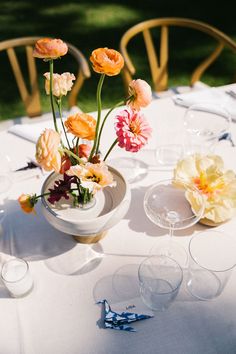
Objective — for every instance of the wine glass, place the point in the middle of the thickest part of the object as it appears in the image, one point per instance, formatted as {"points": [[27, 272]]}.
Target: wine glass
{"points": [[166, 205], [205, 124]]}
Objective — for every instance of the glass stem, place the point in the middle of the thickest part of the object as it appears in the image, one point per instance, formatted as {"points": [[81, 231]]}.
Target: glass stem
{"points": [[171, 234]]}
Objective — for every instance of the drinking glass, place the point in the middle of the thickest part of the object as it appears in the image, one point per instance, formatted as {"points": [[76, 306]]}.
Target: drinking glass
{"points": [[168, 155], [166, 206], [205, 123], [212, 259], [16, 277], [160, 278]]}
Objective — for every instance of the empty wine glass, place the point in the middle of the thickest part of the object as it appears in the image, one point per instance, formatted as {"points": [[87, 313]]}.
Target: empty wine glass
{"points": [[205, 124], [166, 205]]}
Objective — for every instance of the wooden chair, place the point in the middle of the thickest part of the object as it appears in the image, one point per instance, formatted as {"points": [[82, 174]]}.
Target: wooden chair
{"points": [[159, 66], [31, 98]]}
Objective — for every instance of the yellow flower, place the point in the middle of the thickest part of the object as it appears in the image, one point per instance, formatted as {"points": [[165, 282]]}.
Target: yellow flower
{"points": [[27, 203], [107, 61], [47, 153], [97, 173], [61, 84], [81, 125], [47, 48], [218, 186]]}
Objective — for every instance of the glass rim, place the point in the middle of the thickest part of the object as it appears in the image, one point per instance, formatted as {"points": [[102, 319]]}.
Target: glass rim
{"points": [[166, 257], [20, 260], [192, 187], [199, 264]]}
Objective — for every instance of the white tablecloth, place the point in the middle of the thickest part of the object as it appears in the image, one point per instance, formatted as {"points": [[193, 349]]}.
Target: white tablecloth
{"points": [[60, 315]]}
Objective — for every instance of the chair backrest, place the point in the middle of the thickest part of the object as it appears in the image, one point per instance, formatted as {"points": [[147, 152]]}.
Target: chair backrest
{"points": [[31, 98], [159, 66]]}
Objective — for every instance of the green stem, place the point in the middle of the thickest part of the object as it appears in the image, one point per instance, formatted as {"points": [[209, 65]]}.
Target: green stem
{"points": [[60, 114], [70, 153], [51, 95], [77, 146], [99, 109], [104, 121], [111, 147]]}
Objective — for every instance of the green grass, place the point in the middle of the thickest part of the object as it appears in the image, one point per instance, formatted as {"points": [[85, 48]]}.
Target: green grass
{"points": [[93, 24]]}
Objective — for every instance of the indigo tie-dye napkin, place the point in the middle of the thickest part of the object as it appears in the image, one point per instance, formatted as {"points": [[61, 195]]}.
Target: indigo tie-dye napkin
{"points": [[120, 321]]}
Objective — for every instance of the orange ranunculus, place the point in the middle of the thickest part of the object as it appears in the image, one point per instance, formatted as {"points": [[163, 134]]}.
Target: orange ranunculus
{"points": [[47, 153], [26, 203], [141, 94], [81, 125], [107, 61], [47, 48]]}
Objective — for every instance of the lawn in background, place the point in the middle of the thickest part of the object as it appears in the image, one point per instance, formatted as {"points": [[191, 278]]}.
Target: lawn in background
{"points": [[93, 24]]}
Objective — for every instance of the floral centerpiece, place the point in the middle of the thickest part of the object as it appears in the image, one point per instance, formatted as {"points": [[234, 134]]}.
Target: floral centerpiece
{"points": [[217, 185], [83, 170]]}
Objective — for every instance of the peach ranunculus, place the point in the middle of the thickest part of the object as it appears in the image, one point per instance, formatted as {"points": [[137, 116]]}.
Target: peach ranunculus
{"points": [[47, 48], [96, 173], [207, 174], [61, 84], [141, 94], [81, 125], [47, 153], [107, 61], [27, 203]]}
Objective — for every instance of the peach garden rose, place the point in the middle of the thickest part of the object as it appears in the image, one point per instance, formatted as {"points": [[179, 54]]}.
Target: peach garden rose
{"points": [[61, 84], [47, 153]]}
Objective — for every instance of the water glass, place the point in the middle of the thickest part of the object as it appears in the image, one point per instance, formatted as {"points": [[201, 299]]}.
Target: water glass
{"points": [[16, 277], [168, 155], [160, 278], [212, 259], [205, 123]]}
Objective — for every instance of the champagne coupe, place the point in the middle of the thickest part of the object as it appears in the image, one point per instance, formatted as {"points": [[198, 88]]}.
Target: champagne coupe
{"points": [[166, 205]]}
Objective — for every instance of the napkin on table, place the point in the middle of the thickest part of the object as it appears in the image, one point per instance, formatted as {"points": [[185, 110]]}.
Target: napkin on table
{"points": [[120, 321], [211, 95], [31, 131]]}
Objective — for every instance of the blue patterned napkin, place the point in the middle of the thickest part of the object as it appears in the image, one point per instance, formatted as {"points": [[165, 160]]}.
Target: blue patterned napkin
{"points": [[120, 321]]}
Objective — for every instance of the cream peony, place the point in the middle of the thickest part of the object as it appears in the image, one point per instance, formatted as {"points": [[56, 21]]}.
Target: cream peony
{"points": [[217, 185]]}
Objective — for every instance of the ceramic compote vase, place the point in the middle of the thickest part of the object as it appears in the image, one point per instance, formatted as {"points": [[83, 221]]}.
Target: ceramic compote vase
{"points": [[90, 223]]}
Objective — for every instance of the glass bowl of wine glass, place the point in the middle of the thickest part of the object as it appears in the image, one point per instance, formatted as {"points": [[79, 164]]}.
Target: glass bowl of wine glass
{"points": [[205, 125], [166, 205]]}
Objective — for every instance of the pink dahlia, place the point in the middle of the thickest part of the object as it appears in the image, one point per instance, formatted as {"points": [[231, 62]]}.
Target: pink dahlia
{"points": [[132, 130]]}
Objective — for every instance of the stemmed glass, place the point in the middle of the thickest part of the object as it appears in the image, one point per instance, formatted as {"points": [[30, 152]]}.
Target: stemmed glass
{"points": [[166, 205], [205, 125]]}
